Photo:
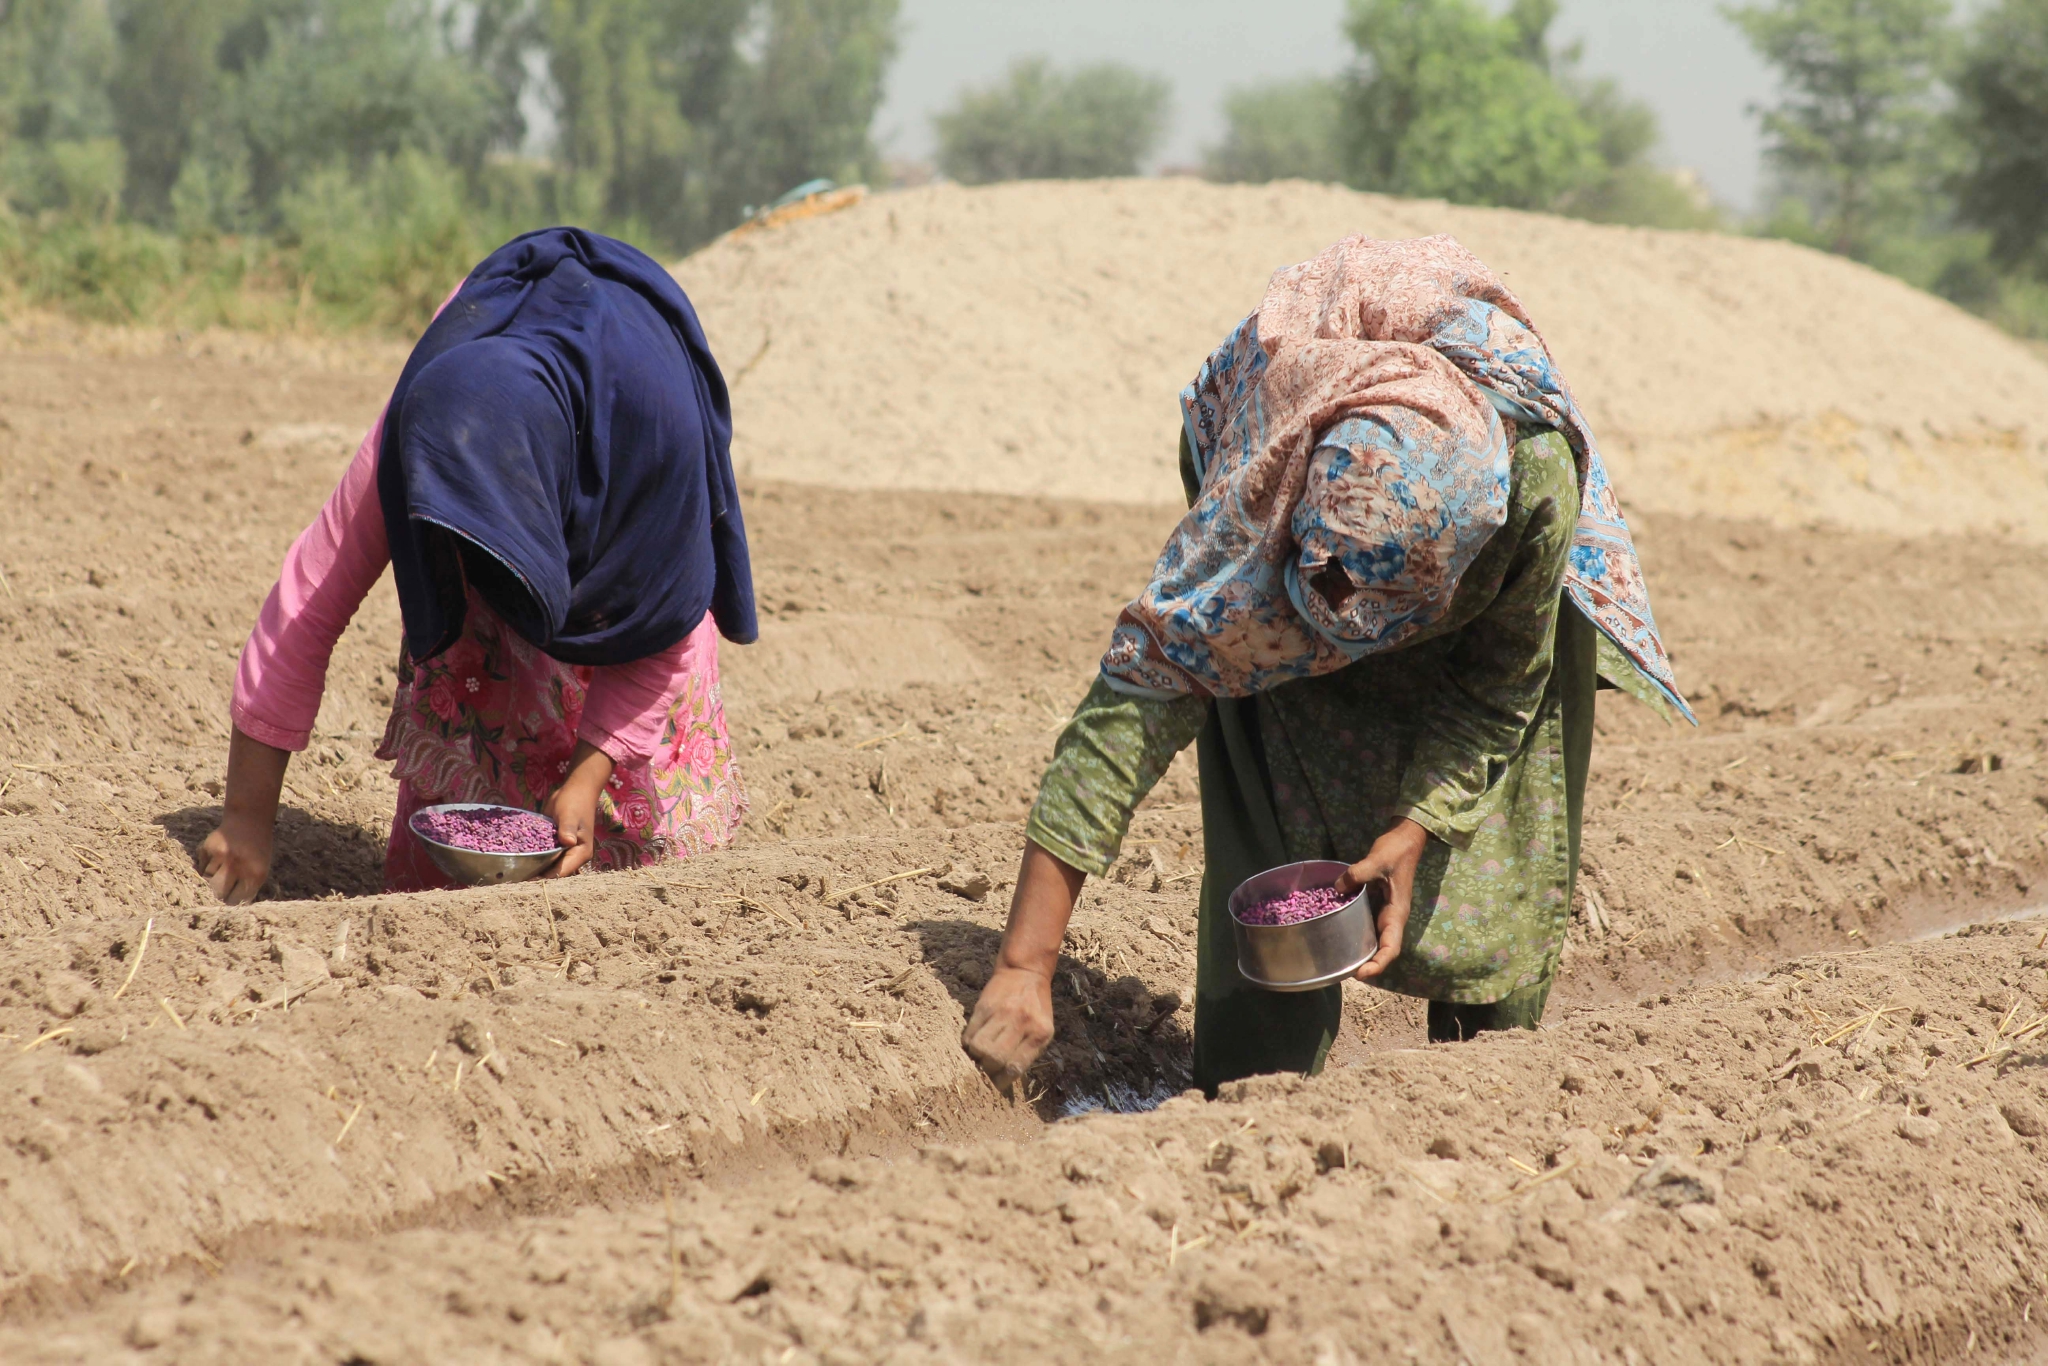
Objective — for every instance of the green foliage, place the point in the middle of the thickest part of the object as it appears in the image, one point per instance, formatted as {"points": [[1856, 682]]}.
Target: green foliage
{"points": [[102, 270], [1451, 102], [163, 84], [73, 177], [55, 120], [804, 109], [1854, 135], [1624, 129], [345, 83], [2002, 117], [1040, 124], [1281, 130], [55, 57], [676, 115], [2021, 308], [225, 159], [1956, 203], [639, 89], [383, 246]]}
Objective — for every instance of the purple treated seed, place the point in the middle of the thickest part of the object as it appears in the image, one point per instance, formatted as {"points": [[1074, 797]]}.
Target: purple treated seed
{"points": [[489, 832], [1295, 907]]}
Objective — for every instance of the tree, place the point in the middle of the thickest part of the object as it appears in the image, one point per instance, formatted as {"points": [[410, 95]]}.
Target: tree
{"points": [[676, 114], [1448, 99], [1451, 102], [2002, 113], [805, 107], [345, 83], [226, 107], [1040, 124], [57, 151], [1852, 135], [638, 88], [164, 83], [364, 152], [1280, 130]]}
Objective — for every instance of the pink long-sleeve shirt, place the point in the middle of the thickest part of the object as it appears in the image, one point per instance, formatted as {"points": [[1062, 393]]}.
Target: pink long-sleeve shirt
{"points": [[329, 571]]}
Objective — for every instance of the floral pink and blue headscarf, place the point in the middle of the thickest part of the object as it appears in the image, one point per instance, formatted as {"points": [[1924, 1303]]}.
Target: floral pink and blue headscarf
{"points": [[1356, 422]]}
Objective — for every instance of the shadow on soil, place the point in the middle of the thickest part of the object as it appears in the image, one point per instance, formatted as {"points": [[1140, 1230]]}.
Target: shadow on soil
{"points": [[1117, 1044], [313, 858]]}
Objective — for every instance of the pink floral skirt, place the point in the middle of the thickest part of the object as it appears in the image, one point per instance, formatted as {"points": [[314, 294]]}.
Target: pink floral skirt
{"points": [[492, 719]]}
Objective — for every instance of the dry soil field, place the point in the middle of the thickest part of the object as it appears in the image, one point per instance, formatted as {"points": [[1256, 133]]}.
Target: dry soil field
{"points": [[1789, 1104]]}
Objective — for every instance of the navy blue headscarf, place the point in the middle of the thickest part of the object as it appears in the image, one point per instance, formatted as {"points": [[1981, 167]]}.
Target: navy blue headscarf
{"points": [[559, 439]]}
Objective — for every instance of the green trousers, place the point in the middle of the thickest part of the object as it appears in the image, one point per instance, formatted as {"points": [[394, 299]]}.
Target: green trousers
{"points": [[1242, 1030]]}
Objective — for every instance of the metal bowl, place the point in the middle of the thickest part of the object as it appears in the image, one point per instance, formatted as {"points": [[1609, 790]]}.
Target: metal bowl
{"points": [[473, 867], [1309, 953]]}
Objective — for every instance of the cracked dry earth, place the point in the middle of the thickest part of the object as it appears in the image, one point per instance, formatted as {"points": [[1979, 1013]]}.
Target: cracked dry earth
{"points": [[718, 1111]]}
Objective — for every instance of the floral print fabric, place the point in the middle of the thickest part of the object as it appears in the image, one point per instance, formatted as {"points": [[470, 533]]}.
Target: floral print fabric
{"points": [[1463, 731], [492, 719], [1353, 461]]}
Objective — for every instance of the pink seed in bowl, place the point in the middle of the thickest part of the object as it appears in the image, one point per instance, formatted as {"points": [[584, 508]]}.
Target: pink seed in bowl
{"points": [[1295, 907], [489, 832]]}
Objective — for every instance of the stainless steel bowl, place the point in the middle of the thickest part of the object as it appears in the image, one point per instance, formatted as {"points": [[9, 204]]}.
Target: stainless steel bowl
{"points": [[1309, 953], [473, 867]]}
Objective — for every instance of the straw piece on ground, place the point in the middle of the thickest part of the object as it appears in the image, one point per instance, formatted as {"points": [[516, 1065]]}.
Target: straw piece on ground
{"points": [[885, 739], [837, 897], [141, 947], [347, 1124], [33, 1044], [1530, 1184]]}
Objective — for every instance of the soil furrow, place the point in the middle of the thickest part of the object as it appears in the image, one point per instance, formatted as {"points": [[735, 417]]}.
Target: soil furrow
{"points": [[257, 1115], [1737, 1173]]}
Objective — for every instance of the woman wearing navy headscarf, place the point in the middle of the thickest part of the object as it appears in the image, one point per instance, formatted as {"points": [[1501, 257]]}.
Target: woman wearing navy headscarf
{"points": [[551, 486]]}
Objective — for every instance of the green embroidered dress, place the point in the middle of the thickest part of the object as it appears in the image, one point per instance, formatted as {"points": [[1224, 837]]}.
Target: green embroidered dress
{"points": [[1481, 731]]}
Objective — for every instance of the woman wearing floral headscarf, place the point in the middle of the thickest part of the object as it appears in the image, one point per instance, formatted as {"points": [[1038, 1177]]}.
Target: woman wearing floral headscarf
{"points": [[1402, 575]]}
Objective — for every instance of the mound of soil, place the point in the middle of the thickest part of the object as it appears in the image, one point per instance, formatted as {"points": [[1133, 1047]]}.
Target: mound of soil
{"points": [[1029, 338]]}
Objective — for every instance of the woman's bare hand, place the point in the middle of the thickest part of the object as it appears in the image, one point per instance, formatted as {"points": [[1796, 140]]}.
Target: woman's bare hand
{"points": [[1391, 862], [1011, 1024], [235, 858], [573, 807], [1012, 1019]]}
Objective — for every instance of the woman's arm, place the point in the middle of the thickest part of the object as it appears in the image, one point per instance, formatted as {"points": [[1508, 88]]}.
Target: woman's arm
{"points": [[283, 670], [327, 573], [626, 706], [1113, 751], [1012, 1019], [625, 710], [236, 857]]}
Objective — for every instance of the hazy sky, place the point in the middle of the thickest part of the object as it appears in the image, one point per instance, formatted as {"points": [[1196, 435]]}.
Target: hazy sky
{"points": [[1680, 55]]}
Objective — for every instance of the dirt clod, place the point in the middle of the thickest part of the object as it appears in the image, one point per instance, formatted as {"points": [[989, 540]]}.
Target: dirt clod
{"points": [[1919, 1129], [65, 994], [2024, 1117], [971, 887], [1672, 1183]]}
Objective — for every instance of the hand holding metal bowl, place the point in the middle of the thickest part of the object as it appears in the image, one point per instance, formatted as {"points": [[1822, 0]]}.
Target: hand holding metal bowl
{"points": [[1307, 953], [472, 866]]}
